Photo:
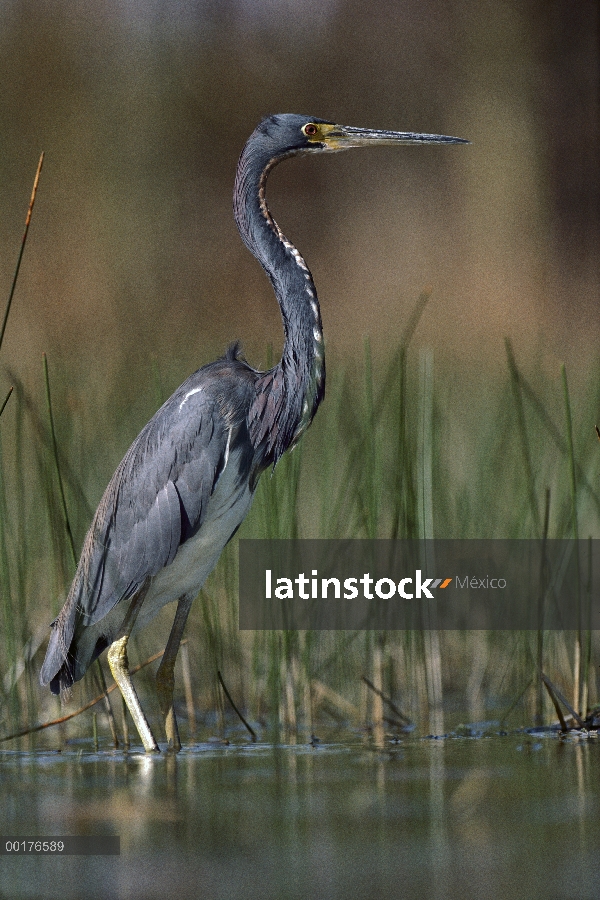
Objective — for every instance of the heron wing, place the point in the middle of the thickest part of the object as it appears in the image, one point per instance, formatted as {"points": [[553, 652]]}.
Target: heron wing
{"points": [[158, 497]]}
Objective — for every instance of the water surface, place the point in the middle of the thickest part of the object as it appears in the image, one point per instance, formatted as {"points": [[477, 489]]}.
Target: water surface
{"points": [[514, 816]]}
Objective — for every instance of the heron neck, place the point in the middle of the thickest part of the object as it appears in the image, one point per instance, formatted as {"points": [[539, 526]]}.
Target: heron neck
{"points": [[297, 383]]}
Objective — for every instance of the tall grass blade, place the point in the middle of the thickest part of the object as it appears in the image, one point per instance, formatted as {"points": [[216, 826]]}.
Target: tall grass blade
{"points": [[63, 499], [577, 668], [370, 455], [425, 446], [539, 707], [587, 649], [431, 638], [515, 382], [6, 399], [44, 439], [23, 242], [570, 452], [11, 612]]}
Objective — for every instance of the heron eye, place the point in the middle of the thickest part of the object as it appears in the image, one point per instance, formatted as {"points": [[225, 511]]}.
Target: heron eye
{"points": [[309, 129]]}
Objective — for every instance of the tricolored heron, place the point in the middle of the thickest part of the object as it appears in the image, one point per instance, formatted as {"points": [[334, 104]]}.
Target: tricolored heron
{"points": [[187, 481]]}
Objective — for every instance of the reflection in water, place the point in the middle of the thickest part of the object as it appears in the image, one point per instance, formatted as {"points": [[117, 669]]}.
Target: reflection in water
{"points": [[506, 817], [437, 813]]}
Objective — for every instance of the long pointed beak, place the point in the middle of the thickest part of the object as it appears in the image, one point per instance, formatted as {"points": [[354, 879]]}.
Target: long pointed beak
{"points": [[342, 137]]}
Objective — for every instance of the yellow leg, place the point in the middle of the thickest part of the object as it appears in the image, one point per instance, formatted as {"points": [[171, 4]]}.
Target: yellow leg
{"points": [[165, 677], [119, 666]]}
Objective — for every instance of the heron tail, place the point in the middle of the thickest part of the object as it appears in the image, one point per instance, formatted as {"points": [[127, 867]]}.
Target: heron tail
{"points": [[58, 666]]}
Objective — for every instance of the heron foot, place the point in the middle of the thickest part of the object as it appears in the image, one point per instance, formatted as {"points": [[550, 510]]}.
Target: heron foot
{"points": [[119, 666], [172, 732]]}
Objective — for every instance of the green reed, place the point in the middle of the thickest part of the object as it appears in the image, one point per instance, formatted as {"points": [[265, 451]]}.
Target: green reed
{"points": [[397, 450]]}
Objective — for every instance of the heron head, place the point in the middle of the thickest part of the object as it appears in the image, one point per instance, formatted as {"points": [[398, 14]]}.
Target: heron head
{"points": [[290, 134]]}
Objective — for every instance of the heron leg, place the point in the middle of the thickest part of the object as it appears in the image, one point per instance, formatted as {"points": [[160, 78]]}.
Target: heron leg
{"points": [[165, 677], [119, 666]]}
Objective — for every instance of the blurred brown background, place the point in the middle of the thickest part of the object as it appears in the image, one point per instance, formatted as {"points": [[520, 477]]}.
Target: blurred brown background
{"points": [[143, 107]]}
